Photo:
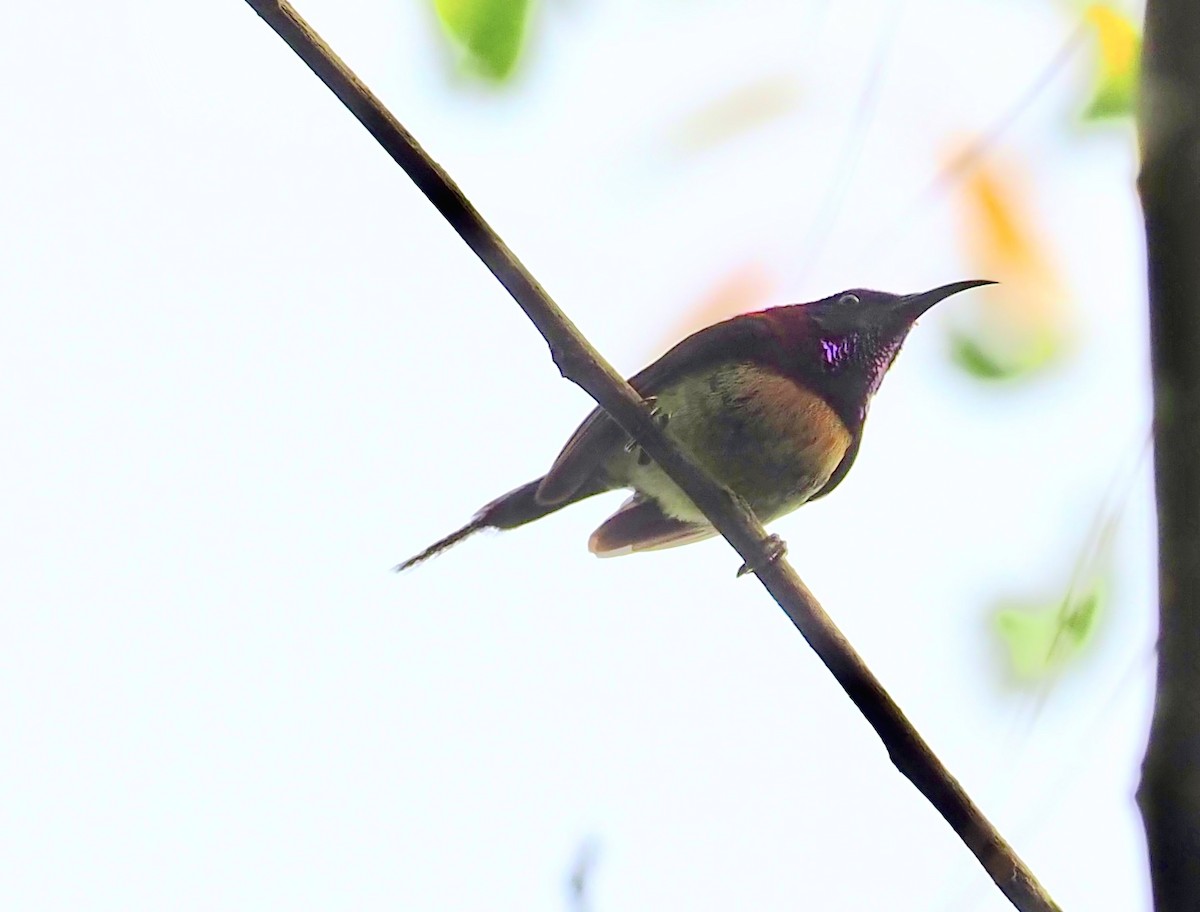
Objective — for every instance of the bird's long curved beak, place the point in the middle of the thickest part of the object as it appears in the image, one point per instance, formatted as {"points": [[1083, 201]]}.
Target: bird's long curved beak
{"points": [[913, 305]]}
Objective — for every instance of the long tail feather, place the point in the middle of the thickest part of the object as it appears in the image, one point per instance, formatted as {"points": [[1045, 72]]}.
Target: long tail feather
{"points": [[441, 545], [516, 508]]}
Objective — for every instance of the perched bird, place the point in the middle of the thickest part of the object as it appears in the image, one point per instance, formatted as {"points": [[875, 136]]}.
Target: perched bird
{"points": [[771, 403]]}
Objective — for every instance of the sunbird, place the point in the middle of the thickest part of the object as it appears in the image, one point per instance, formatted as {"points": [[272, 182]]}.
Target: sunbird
{"points": [[771, 403]]}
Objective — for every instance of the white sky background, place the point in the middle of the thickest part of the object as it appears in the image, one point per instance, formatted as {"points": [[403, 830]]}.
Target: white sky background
{"points": [[247, 368]]}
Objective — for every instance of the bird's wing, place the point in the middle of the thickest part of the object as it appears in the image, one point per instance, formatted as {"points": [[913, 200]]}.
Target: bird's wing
{"points": [[842, 468], [590, 446], [743, 338]]}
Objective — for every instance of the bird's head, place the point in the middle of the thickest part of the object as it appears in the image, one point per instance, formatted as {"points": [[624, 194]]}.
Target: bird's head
{"points": [[853, 337]]}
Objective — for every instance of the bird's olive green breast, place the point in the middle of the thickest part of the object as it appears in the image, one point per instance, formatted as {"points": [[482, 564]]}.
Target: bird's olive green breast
{"points": [[770, 440]]}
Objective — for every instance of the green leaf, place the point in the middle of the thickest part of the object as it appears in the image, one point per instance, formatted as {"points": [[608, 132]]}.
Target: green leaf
{"points": [[987, 358], [1113, 98], [1041, 639], [491, 33]]}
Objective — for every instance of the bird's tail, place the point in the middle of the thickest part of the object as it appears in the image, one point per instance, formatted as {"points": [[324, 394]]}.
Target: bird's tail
{"points": [[516, 508]]}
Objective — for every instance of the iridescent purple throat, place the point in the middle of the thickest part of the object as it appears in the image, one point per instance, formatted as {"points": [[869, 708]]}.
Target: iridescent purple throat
{"points": [[860, 364], [837, 351]]}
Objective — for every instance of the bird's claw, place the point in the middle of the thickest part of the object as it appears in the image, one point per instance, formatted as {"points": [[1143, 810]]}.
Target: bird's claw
{"points": [[658, 413], [660, 418], [776, 548]]}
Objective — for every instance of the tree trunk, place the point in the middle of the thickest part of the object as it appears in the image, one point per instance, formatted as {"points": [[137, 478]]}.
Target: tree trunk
{"points": [[1169, 127]]}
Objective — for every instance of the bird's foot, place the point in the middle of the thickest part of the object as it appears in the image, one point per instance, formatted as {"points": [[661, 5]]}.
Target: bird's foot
{"points": [[660, 418], [776, 548], [657, 412]]}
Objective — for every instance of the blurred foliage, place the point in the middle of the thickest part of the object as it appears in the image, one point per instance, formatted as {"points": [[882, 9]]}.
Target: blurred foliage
{"points": [[579, 880], [1119, 47], [747, 287], [1019, 326], [999, 362], [737, 111], [1040, 639], [491, 33]]}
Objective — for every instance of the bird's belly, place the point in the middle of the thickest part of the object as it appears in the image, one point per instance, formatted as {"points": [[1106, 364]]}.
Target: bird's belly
{"points": [[759, 433]]}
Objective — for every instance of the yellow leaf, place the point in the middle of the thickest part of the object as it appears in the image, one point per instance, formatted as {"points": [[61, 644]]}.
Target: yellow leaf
{"points": [[1118, 37], [1119, 49], [1020, 324]]}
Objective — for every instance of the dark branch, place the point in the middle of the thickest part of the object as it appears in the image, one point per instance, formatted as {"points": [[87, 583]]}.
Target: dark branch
{"points": [[1169, 121], [582, 364]]}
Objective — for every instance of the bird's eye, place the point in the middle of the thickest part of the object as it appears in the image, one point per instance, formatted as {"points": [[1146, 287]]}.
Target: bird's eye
{"points": [[848, 299]]}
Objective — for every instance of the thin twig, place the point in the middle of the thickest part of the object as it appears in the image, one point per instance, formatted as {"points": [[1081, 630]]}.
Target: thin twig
{"points": [[983, 145], [580, 362]]}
